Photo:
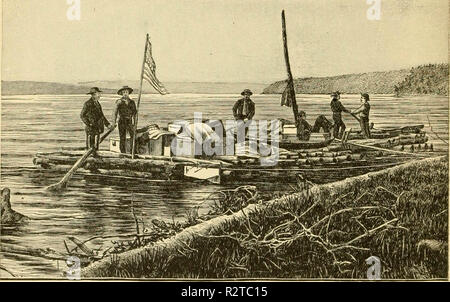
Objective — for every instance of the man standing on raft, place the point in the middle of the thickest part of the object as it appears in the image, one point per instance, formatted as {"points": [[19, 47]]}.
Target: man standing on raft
{"points": [[363, 111], [337, 108], [94, 119], [126, 109], [244, 109]]}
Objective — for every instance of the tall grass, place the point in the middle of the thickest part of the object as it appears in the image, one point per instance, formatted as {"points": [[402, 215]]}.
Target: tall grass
{"points": [[399, 215]]}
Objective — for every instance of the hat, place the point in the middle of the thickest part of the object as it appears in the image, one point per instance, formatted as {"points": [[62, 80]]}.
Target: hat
{"points": [[336, 93], [94, 90], [301, 112], [130, 90], [365, 96], [246, 91]]}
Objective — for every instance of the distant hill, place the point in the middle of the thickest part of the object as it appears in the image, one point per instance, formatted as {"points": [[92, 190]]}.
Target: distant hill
{"points": [[183, 87], [31, 88], [426, 79]]}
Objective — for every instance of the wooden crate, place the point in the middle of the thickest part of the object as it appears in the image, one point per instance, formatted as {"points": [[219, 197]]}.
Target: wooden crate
{"points": [[183, 146], [160, 146]]}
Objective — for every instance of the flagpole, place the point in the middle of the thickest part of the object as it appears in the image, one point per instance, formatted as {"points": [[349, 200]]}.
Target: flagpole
{"points": [[133, 149], [290, 81]]}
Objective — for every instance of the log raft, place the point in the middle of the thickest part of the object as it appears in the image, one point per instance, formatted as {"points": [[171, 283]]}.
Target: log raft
{"points": [[318, 163]]}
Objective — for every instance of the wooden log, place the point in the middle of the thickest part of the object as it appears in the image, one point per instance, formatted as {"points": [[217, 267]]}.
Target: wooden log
{"points": [[125, 163], [302, 161], [47, 163], [57, 159], [315, 160], [335, 153], [133, 174], [342, 158], [327, 160], [336, 147], [314, 154], [286, 161], [354, 156]]}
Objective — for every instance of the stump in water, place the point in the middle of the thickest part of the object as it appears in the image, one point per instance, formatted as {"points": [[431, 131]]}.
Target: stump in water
{"points": [[7, 214]]}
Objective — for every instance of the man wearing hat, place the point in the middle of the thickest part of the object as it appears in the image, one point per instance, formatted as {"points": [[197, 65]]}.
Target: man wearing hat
{"points": [[94, 119], [304, 129], [363, 112], [337, 108], [126, 109], [244, 108]]}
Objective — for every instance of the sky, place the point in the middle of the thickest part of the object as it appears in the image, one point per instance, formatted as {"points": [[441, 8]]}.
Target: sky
{"points": [[217, 41]]}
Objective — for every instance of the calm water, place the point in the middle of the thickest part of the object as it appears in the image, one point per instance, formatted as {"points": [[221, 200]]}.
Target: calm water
{"points": [[44, 123]]}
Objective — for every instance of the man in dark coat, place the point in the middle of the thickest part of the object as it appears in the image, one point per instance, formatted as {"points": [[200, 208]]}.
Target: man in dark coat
{"points": [[304, 129], [337, 108], [126, 109], [94, 119], [245, 107]]}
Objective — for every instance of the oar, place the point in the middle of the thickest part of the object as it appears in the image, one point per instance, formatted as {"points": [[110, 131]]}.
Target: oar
{"points": [[63, 182], [357, 118], [354, 115]]}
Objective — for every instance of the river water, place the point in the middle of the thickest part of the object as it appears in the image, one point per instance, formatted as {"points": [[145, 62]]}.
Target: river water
{"points": [[44, 123]]}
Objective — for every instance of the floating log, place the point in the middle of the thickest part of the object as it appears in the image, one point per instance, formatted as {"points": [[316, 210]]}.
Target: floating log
{"points": [[55, 159]]}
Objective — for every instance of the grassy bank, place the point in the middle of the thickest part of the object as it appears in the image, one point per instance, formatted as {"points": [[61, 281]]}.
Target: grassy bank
{"points": [[399, 215]]}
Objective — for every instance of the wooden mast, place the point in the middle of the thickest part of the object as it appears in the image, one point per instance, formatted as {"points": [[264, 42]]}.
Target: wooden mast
{"points": [[133, 149], [290, 80]]}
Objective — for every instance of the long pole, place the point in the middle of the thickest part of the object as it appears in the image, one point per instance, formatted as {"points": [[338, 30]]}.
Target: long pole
{"points": [[290, 81], [65, 180], [136, 118]]}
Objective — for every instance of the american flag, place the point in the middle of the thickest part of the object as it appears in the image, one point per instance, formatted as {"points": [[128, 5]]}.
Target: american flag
{"points": [[288, 95], [150, 70]]}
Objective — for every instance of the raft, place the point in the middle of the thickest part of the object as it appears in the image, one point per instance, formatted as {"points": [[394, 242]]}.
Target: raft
{"points": [[295, 162]]}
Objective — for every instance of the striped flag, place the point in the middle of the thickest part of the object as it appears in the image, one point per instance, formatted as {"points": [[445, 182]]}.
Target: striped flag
{"points": [[149, 72]]}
